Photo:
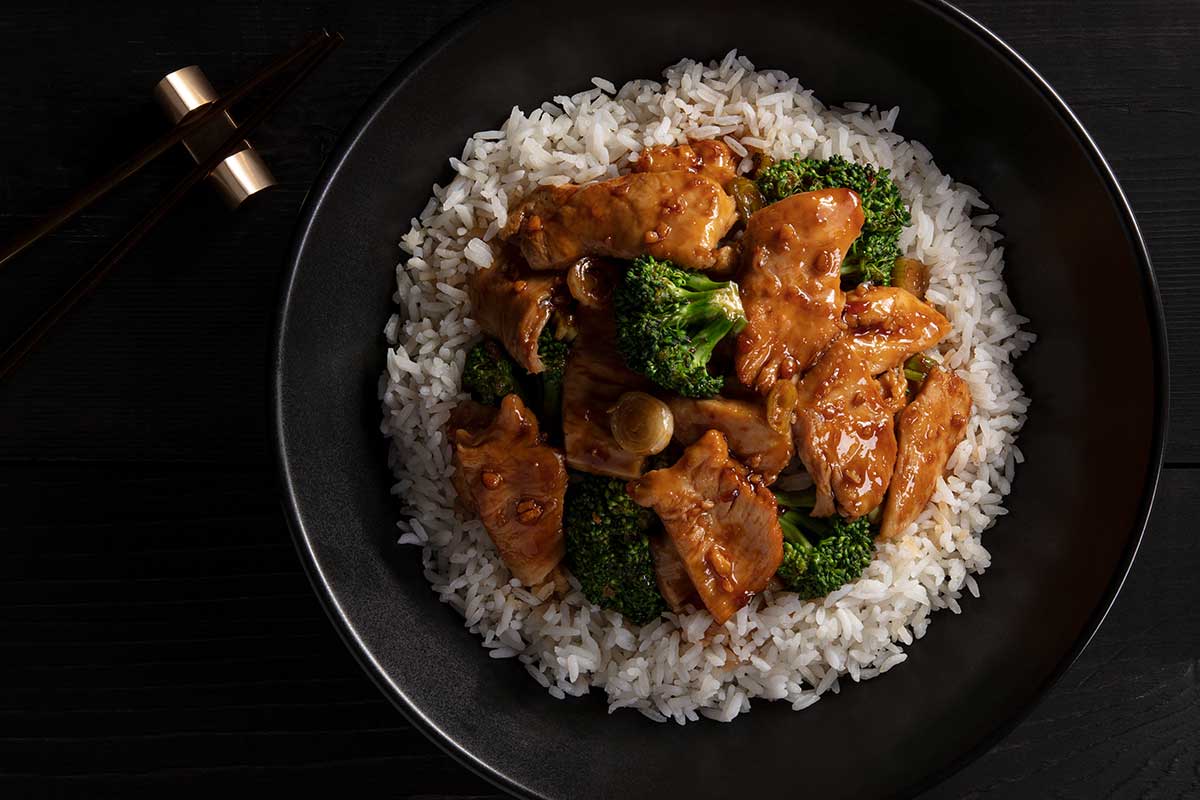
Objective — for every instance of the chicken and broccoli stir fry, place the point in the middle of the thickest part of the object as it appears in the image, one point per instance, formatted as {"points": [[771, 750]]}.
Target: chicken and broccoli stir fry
{"points": [[663, 346]]}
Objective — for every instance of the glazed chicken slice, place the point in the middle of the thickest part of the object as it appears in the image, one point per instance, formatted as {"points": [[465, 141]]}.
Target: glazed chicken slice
{"points": [[710, 158], [514, 305], [894, 385], [724, 526], [680, 216], [930, 427], [889, 324], [595, 379], [671, 573], [469, 416], [515, 482], [791, 283], [744, 422], [845, 433]]}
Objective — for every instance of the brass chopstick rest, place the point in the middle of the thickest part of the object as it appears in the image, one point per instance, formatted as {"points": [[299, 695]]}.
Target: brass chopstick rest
{"points": [[218, 148], [240, 175]]}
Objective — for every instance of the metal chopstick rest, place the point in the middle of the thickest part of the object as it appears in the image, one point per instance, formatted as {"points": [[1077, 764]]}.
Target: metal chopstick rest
{"points": [[305, 59], [238, 177]]}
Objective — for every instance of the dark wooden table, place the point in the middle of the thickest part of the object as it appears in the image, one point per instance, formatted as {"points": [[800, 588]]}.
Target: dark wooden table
{"points": [[157, 634]]}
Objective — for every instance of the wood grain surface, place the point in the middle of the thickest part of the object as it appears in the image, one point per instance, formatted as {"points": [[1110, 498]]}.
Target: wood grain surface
{"points": [[157, 634]]}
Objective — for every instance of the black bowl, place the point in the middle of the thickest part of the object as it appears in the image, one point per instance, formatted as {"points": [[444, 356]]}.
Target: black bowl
{"points": [[1076, 266]]}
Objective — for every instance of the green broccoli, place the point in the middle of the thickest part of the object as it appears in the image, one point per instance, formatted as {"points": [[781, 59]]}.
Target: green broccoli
{"points": [[669, 320], [489, 374], [874, 253], [553, 353], [820, 555], [608, 547]]}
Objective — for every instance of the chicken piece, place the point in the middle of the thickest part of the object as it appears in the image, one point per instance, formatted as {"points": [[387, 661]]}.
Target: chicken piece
{"points": [[671, 573], [894, 385], [911, 274], [889, 324], [514, 305], [679, 216], [845, 433], [470, 416], [709, 157], [744, 423], [595, 379], [516, 483], [724, 525], [791, 283], [929, 429]]}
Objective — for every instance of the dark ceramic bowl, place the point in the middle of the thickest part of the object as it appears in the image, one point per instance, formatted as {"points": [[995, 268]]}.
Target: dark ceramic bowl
{"points": [[1078, 507]]}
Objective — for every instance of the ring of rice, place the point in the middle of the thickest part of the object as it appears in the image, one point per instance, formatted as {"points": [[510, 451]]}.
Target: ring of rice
{"points": [[779, 647]]}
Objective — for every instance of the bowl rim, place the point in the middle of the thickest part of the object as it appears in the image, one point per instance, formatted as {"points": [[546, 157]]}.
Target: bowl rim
{"points": [[348, 140]]}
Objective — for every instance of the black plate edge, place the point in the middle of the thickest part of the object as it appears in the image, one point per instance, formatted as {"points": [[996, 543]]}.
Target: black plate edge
{"points": [[345, 628], [1158, 324], [312, 201]]}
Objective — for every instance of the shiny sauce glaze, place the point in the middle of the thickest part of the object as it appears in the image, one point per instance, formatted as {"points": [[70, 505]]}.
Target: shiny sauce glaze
{"points": [[711, 158], [721, 519], [514, 304], [680, 216], [887, 325], [506, 473], [791, 285], [930, 428], [844, 433]]}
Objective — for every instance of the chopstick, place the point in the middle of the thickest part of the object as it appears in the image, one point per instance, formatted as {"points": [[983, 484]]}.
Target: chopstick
{"points": [[106, 183], [93, 277]]}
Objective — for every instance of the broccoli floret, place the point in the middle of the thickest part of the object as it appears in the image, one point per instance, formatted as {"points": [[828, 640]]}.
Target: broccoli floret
{"points": [[874, 253], [669, 320], [608, 547], [820, 555], [489, 374], [550, 380]]}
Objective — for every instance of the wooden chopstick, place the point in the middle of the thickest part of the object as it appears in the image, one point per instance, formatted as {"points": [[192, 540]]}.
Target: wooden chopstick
{"points": [[94, 276], [106, 183]]}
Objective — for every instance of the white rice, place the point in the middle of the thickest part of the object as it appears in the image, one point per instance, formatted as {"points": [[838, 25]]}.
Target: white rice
{"points": [[780, 647]]}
